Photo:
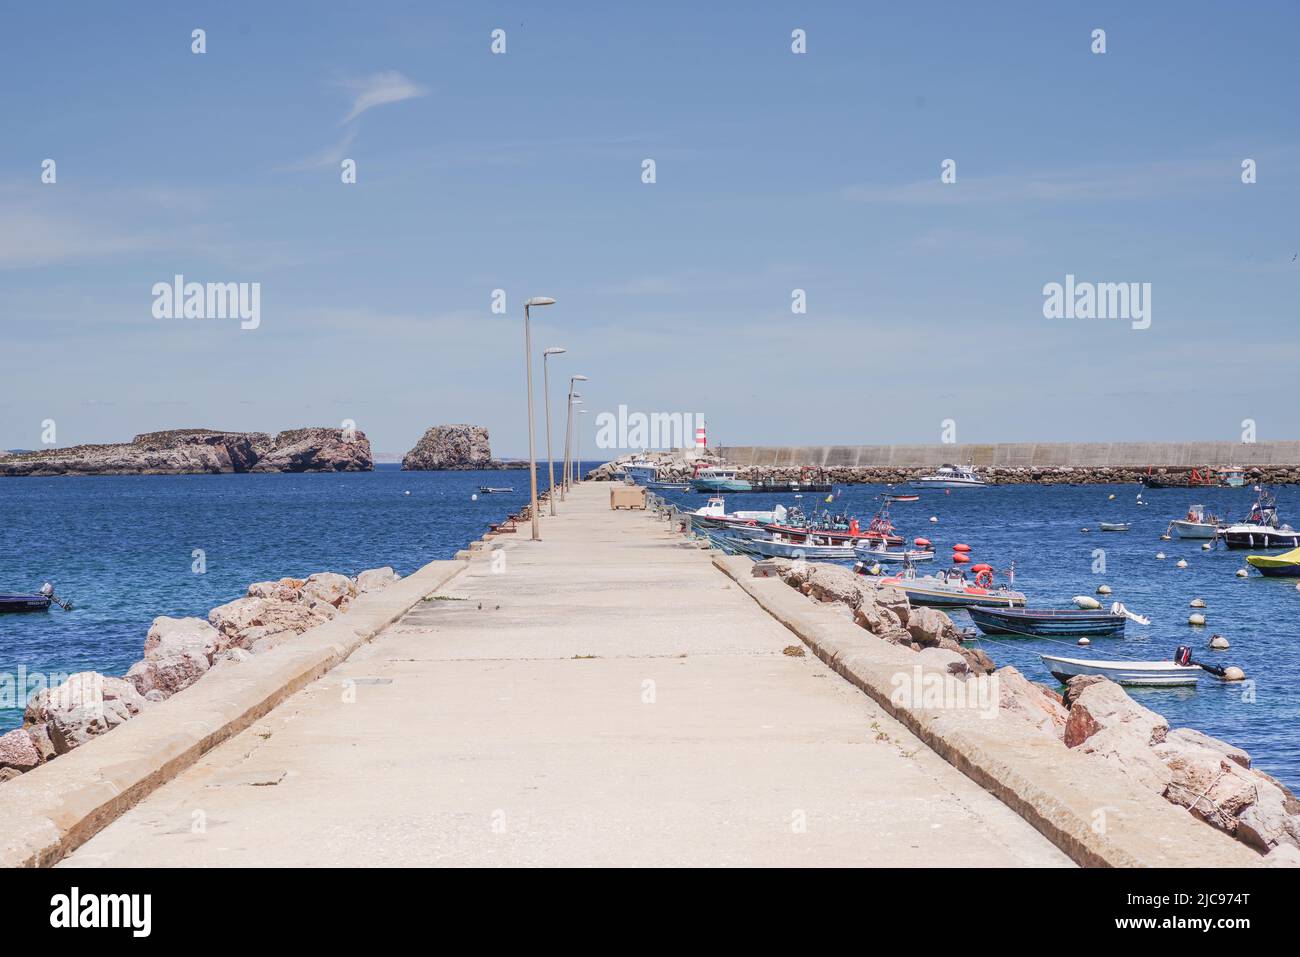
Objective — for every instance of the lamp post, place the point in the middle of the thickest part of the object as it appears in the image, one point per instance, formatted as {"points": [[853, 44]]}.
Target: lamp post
{"points": [[546, 388], [532, 440], [568, 429]]}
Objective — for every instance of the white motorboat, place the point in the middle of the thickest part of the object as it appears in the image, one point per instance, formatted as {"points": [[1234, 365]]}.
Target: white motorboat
{"points": [[870, 552], [1151, 673], [950, 476], [1261, 529], [1195, 524], [745, 524], [952, 589]]}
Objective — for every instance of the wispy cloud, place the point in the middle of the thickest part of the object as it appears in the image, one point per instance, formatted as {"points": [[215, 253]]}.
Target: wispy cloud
{"points": [[330, 156], [378, 89]]}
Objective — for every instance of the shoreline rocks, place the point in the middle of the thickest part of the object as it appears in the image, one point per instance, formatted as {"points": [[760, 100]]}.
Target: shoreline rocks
{"points": [[202, 452], [177, 653]]}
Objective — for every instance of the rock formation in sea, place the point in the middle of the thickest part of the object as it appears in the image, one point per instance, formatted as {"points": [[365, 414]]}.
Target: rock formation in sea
{"points": [[451, 447], [203, 451]]}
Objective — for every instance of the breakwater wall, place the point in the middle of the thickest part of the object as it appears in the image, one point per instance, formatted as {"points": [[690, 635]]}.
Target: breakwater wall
{"points": [[1011, 455]]}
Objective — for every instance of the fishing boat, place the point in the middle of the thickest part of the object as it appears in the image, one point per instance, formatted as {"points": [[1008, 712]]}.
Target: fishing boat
{"points": [[811, 545], [951, 589], [1195, 524], [1286, 565], [1233, 477], [950, 476], [742, 523], [718, 479], [1196, 478], [1262, 528], [641, 471], [1114, 526], [839, 528], [490, 490], [1150, 673], [902, 498], [22, 603], [870, 552], [668, 486], [1048, 622]]}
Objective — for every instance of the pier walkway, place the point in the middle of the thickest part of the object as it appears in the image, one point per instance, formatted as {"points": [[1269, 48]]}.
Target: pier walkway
{"points": [[603, 697]]}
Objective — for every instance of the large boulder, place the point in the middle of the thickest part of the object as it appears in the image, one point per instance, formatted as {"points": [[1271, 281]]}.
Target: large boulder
{"points": [[1208, 784], [376, 579], [235, 619], [928, 626], [286, 589], [85, 706], [169, 637], [18, 751], [1104, 721], [167, 674], [1020, 698], [330, 588], [450, 447]]}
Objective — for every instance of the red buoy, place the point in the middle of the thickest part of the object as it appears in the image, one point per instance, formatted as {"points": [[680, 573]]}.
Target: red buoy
{"points": [[981, 567], [921, 542], [961, 548], [959, 559]]}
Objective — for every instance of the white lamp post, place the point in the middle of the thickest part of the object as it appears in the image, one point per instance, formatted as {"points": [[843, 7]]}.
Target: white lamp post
{"points": [[568, 429], [546, 388], [577, 437], [532, 440]]}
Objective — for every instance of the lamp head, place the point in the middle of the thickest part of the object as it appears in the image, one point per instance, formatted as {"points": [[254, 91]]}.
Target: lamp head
{"points": [[540, 301]]}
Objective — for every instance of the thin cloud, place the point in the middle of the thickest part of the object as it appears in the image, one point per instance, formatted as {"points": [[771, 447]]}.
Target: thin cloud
{"points": [[378, 89], [330, 156]]}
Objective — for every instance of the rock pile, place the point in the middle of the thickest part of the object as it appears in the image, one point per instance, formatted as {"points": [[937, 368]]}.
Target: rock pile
{"points": [[177, 653], [451, 447]]}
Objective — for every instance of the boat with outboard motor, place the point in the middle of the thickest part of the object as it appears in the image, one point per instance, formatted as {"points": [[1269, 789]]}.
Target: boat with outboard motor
{"points": [[1048, 622], [952, 589], [950, 476], [41, 601], [1197, 524], [745, 524], [1159, 674], [872, 552], [1262, 527]]}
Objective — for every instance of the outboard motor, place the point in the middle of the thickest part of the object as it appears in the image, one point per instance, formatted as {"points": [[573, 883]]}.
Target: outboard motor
{"points": [[1183, 655], [47, 590]]}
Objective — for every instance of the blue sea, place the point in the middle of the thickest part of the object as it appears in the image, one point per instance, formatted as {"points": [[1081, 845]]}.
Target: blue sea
{"points": [[1040, 529], [121, 548]]}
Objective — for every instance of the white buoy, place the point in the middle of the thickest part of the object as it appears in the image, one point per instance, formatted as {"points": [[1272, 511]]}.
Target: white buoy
{"points": [[1198, 603], [934, 519], [1083, 529], [1165, 538], [1233, 673], [1206, 547], [1219, 643], [1103, 589], [1111, 497], [1196, 618], [1160, 555], [1085, 641], [1086, 601], [472, 498], [407, 492], [1242, 573], [1182, 563]]}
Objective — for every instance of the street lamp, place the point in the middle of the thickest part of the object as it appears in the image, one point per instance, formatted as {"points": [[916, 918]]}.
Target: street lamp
{"points": [[546, 388], [568, 429], [532, 441]]}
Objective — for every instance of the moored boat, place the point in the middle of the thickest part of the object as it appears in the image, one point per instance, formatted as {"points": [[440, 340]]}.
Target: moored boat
{"points": [[878, 551], [1286, 565], [490, 490], [745, 524], [950, 476], [1261, 529], [1196, 524], [1114, 526], [719, 479], [1048, 622], [951, 589], [1150, 673], [24, 603]]}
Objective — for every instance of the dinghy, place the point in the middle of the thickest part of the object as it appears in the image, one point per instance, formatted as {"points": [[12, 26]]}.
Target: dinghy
{"points": [[1149, 673], [1048, 622], [1114, 526], [951, 589], [19, 603], [490, 490]]}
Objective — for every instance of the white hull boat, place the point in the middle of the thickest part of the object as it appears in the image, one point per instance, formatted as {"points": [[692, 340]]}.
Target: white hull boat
{"points": [[1158, 674], [777, 548], [950, 476], [868, 554], [1195, 524]]}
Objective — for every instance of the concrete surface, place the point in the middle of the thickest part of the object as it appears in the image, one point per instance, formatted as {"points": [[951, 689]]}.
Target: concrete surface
{"points": [[603, 697]]}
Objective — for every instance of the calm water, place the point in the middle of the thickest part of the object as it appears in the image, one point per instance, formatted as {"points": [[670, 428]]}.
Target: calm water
{"points": [[121, 547], [1039, 527]]}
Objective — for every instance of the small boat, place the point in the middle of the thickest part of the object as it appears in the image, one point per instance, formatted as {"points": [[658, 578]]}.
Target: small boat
{"points": [[1196, 524], [950, 476], [641, 471], [1196, 478], [668, 486], [743, 524], [869, 553], [719, 480], [811, 546], [1114, 526], [21, 603], [902, 498], [490, 490], [1261, 529], [839, 529], [1286, 565], [951, 589], [1048, 622], [1233, 477], [1151, 673]]}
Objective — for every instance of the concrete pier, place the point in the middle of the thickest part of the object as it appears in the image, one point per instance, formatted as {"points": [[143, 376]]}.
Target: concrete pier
{"points": [[606, 696]]}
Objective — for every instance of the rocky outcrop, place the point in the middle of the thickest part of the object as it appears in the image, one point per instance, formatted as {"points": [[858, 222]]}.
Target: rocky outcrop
{"points": [[203, 451], [456, 447], [88, 704]]}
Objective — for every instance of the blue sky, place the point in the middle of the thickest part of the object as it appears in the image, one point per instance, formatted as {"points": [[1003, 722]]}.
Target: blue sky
{"points": [[775, 171]]}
